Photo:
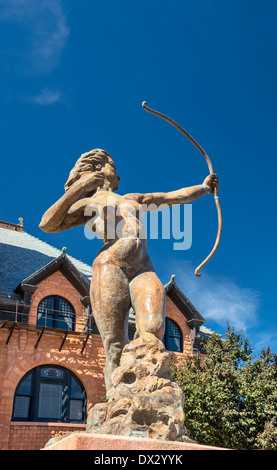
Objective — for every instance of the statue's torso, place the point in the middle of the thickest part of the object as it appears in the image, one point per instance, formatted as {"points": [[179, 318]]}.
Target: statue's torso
{"points": [[118, 223]]}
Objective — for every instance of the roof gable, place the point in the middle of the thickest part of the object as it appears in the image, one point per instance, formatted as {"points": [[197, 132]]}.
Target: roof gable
{"points": [[63, 264], [194, 318]]}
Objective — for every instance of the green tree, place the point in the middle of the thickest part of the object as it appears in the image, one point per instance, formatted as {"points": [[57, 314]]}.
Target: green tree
{"points": [[230, 396]]}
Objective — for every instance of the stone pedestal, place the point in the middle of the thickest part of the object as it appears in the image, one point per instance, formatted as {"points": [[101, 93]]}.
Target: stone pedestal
{"points": [[87, 441], [144, 401]]}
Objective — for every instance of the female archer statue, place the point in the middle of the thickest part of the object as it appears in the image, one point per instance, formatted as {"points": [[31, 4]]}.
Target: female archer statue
{"points": [[122, 273]]}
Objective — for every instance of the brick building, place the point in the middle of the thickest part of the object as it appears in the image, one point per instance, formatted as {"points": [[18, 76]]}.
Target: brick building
{"points": [[51, 354]]}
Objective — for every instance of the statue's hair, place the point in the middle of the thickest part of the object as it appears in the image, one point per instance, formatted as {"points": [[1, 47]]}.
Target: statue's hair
{"points": [[87, 162]]}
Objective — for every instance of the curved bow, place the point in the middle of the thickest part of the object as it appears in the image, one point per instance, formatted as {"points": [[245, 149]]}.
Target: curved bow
{"points": [[163, 116]]}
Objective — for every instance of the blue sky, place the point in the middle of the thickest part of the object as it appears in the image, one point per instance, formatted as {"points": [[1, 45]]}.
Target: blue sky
{"points": [[73, 77]]}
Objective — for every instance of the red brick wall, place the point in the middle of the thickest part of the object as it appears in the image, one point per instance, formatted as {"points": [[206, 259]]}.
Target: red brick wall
{"points": [[19, 356], [33, 436]]}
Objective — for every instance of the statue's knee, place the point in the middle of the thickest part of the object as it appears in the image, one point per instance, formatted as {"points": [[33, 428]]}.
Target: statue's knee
{"points": [[152, 323], [160, 332]]}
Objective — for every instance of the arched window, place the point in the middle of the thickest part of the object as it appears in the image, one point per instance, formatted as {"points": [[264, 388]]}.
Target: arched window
{"points": [[52, 394], [56, 312], [173, 338]]}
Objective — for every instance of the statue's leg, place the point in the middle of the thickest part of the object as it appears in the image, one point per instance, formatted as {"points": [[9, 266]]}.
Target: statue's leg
{"points": [[110, 301], [148, 301]]}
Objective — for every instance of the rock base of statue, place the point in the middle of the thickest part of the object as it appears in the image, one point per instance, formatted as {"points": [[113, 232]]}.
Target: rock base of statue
{"points": [[143, 401]]}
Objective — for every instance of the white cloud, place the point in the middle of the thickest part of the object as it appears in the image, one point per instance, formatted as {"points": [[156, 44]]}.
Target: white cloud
{"points": [[218, 299], [47, 97], [47, 31]]}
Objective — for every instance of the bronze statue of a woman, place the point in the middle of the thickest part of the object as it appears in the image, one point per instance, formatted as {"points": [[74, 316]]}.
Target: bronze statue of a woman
{"points": [[122, 272]]}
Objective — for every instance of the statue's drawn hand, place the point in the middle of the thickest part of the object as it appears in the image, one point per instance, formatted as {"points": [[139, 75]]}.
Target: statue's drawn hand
{"points": [[92, 181], [210, 183], [98, 179]]}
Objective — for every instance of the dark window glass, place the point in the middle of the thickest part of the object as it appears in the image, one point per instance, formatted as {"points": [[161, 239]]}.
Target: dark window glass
{"points": [[21, 407], [56, 312], [173, 338], [76, 410], [50, 393], [173, 344], [50, 401], [76, 390], [25, 387]]}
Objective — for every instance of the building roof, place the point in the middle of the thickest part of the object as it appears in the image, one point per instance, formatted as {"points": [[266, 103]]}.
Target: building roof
{"points": [[27, 255], [194, 318]]}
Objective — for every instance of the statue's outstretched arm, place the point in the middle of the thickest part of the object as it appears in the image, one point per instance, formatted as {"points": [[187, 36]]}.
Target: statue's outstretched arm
{"points": [[181, 196]]}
